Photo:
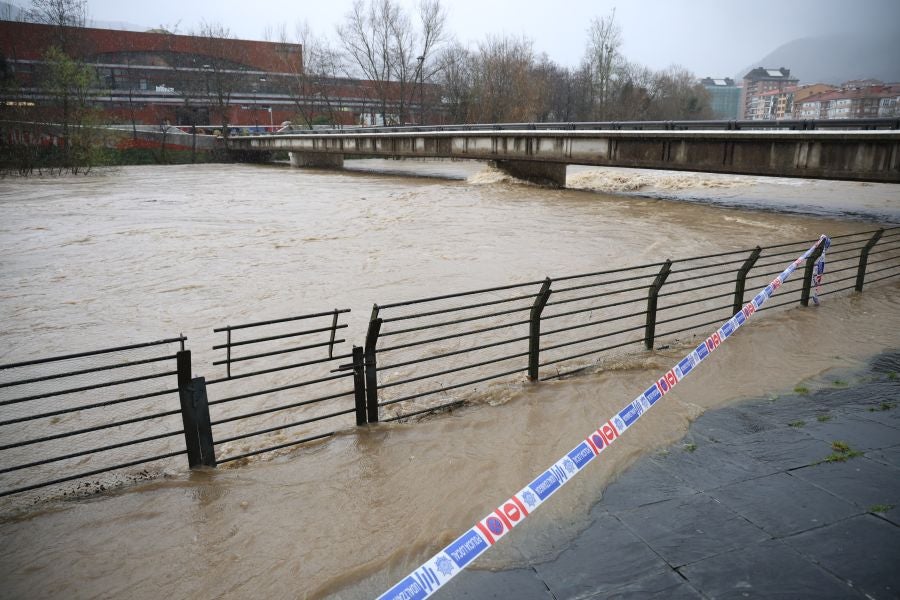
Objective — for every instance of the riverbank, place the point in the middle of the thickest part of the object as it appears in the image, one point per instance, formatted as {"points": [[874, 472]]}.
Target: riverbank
{"points": [[797, 496]]}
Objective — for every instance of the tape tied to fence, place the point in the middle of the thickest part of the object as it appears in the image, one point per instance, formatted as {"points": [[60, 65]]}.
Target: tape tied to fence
{"points": [[446, 564]]}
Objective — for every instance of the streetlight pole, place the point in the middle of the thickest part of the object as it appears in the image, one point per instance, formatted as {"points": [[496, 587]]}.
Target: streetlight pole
{"points": [[421, 60], [262, 80]]}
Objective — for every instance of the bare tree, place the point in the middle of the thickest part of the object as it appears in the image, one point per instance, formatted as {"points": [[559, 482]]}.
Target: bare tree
{"points": [[455, 79], [556, 88], [502, 87], [602, 60], [432, 35], [64, 16], [314, 76], [190, 83], [383, 46], [218, 74]]}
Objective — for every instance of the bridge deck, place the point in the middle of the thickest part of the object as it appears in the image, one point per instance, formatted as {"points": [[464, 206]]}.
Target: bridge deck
{"points": [[846, 155]]}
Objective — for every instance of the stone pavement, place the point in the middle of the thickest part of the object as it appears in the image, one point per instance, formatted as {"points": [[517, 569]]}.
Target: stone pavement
{"points": [[748, 505]]}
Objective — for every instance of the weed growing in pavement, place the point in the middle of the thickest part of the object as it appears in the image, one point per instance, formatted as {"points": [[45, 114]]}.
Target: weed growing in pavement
{"points": [[842, 452], [883, 406]]}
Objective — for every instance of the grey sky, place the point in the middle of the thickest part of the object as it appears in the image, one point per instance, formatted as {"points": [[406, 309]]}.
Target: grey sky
{"points": [[709, 37]]}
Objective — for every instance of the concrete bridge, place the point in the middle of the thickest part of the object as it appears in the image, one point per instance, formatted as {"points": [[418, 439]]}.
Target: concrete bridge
{"points": [[542, 155]]}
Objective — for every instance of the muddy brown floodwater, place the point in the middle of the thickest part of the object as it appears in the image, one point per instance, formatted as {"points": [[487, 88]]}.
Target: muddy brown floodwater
{"points": [[147, 252]]}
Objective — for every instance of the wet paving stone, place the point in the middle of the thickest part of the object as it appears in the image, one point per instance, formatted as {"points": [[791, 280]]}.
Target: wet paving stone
{"points": [[668, 585], [686, 530], [782, 505], [863, 551], [766, 570], [644, 483], [859, 480], [606, 556], [782, 449], [860, 433], [711, 466], [513, 583]]}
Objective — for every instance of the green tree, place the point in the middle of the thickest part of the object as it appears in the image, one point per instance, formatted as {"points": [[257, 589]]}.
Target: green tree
{"points": [[70, 85]]}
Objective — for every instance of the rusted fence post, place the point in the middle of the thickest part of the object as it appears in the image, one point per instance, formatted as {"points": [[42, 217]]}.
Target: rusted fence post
{"points": [[864, 259], [742, 279], [650, 331], [534, 329], [808, 273]]}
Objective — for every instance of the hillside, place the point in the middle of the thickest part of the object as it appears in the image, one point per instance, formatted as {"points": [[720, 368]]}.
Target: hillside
{"points": [[836, 58]]}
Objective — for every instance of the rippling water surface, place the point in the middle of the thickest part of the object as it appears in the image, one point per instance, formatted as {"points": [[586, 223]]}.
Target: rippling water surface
{"points": [[148, 252]]}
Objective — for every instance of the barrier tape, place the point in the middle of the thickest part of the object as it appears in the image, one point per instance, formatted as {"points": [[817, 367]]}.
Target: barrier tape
{"points": [[818, 271], [450, 561]]}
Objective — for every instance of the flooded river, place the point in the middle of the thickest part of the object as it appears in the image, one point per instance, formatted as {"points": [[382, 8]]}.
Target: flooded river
{"points": [[143, 253]]}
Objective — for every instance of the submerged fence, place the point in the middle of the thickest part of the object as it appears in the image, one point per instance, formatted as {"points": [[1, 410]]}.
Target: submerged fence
{"points": [[124, 412]]}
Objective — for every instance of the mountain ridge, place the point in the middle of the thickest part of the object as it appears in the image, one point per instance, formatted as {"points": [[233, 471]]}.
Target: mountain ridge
{"points": [[835, 58]]}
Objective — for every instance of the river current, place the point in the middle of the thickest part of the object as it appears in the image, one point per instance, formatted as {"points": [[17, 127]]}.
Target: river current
{"points": [[143, 253]]}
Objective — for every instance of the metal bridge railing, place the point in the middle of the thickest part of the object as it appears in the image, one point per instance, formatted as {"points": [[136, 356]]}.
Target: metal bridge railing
{"points": [[707, 125]]}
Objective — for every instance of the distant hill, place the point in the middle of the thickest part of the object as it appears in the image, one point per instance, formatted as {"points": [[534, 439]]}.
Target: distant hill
{"points": [[836, 58]]}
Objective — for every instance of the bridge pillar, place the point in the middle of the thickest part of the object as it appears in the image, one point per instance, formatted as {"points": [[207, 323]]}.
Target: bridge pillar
{"points": [[543, 173], [321, 160]]}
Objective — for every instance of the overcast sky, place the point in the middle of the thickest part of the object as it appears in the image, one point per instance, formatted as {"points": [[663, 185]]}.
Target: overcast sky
{"points": [[709, 37]]}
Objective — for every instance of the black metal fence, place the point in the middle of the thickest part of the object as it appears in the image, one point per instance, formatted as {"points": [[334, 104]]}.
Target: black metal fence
{"points": [[298, 358], [76, 416], [289, 381], [432, 353]]}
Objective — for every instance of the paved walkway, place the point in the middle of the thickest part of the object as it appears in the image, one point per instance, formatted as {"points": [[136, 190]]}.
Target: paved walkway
{"points": [[746, 506]]}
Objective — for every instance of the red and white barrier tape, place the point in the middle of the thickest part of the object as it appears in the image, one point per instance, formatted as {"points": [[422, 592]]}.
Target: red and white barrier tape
{"points": [[450, 561]]}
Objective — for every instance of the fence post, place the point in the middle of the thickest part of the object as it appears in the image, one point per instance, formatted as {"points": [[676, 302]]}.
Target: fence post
{"points": [[204, 426], [372, 366], [742, 279], [808, 273], [185, 395], [359, 384], [864, 259], [194, 414], [534, 331], [650, 331]]}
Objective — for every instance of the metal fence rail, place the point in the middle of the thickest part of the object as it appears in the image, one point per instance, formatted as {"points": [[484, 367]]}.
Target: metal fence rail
{"points": [[52, 410], [283, 377], [425, 355], [288, 381], [446, 346]]}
